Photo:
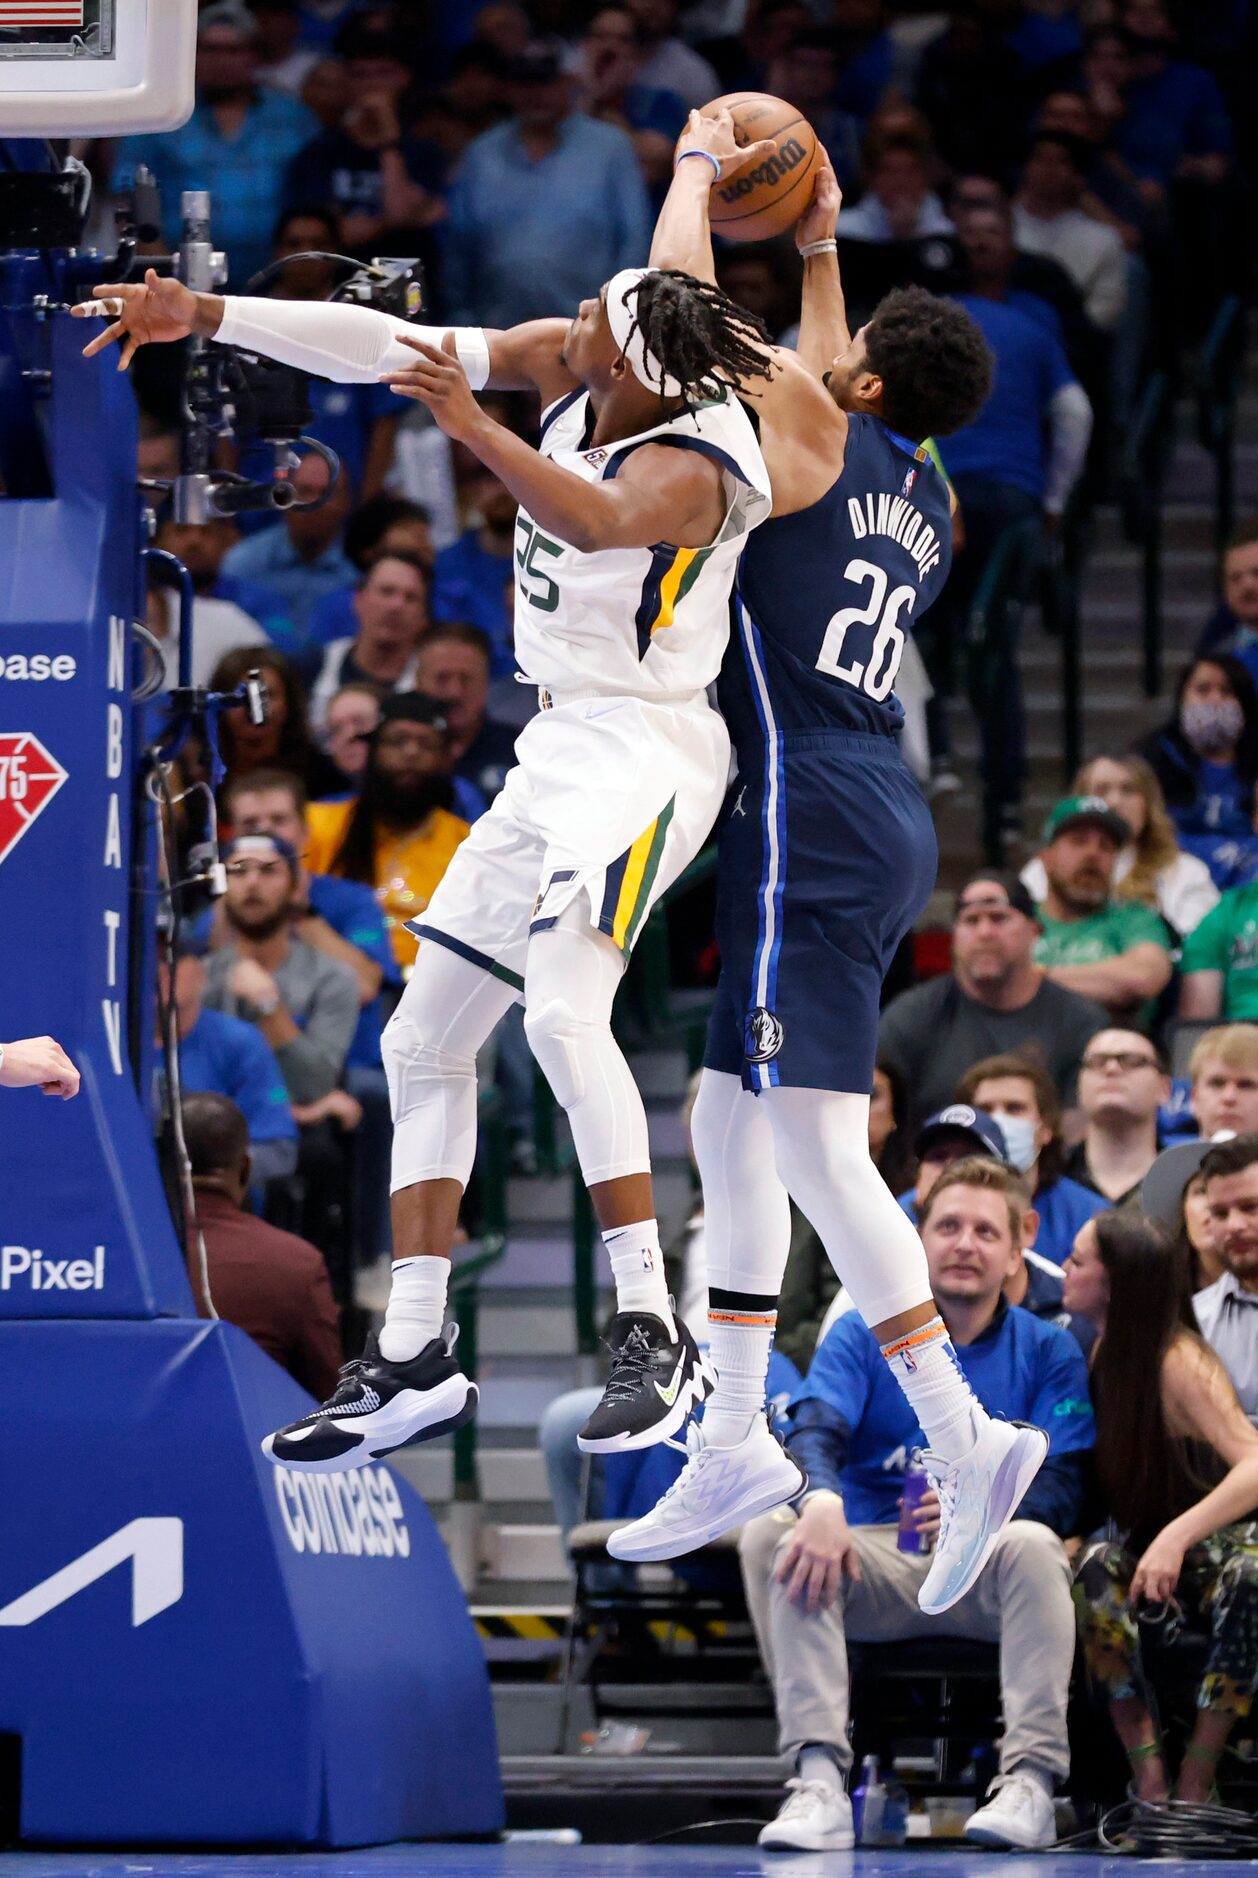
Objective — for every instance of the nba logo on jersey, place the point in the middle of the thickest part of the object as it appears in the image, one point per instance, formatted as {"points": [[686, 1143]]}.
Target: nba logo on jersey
{"points": [[762, 1035], [906, 487]]}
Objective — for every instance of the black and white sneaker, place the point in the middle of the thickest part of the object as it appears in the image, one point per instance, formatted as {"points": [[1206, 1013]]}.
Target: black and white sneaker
{"points": [[654, 1384], [378, 1406]]}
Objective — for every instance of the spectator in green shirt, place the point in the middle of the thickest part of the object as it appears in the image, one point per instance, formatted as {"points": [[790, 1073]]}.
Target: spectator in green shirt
{"points": [[1220, 960], [1115, 951]]}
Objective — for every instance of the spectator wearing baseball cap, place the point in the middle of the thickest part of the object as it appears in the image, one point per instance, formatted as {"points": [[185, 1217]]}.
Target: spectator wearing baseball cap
{"points": [[953, 1133], [1114, 951], [399, 833], [304, 1004], [1018, 1092], [996, 999]]}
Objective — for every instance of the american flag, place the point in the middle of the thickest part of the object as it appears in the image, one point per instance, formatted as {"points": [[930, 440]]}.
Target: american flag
{"points": [[41, 12]]}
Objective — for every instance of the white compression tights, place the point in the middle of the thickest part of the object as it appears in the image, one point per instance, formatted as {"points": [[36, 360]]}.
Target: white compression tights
{"points": [[812, 1144], [447, 1011], [570, 982], [429, 1047]]}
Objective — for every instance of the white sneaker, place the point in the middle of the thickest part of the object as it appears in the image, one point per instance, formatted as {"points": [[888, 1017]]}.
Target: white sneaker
{"points": [[717, 1489], [978, 1496], [815, 1817], [1017, 1813]]}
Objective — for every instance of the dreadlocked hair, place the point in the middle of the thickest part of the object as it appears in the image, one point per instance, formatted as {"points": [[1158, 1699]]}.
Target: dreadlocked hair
{"points": [[701, 337], [934, 363]]}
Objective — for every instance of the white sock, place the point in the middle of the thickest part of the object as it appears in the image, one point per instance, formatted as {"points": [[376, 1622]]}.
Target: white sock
{"points": [[416, 1309], [816, 1761], [638, 1268], [925, 1365], [741, 1336]]}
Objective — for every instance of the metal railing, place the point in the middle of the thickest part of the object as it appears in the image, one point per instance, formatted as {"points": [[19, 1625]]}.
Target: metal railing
{"points": [[1220, 370], [1146, 453]]}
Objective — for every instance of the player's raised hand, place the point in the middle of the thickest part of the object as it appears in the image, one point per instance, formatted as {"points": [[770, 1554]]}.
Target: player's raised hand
{"points": [[714, 135], [437, 380], [818, 220], [39, 1062], [153, 312]]}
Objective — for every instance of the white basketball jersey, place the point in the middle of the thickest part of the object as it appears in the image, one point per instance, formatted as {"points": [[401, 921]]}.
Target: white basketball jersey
{"points": [[635, 620]]}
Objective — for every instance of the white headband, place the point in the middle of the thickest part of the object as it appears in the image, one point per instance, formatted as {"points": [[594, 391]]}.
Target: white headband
{"points": [[622, 303]]}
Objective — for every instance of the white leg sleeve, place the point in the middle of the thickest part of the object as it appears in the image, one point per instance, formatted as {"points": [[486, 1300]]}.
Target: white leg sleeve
{"points": [[746, 1212], [570, 981], [821, 1141], [429, 1047]]}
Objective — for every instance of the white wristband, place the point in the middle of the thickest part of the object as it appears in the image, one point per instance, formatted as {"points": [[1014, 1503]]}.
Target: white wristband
{"points": [[707, 157], [819, 247]]}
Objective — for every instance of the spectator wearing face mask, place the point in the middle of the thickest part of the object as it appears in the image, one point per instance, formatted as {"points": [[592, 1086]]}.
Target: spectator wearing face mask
{"points": [[1206, 759], [1019, 1094]]}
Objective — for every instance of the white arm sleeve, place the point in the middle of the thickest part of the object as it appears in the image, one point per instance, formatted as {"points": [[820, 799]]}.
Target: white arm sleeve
{"points": [[1070, 427], [353, 345]]}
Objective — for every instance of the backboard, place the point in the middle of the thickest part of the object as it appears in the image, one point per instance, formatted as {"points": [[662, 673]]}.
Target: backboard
{"points": [[95, 67]]}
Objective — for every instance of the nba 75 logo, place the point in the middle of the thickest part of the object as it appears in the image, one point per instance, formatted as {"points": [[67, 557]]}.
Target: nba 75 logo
{"points": [[29, 779]]}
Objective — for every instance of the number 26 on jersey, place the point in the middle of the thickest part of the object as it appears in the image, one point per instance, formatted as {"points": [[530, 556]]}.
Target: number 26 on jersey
{"points": [[875, 675]]}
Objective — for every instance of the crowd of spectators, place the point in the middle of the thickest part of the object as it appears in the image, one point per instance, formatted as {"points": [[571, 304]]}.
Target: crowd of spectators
{"points": [[1072, 173]]}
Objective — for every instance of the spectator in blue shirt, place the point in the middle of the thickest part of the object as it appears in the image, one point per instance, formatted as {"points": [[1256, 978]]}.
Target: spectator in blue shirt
{"points": [[383, 184], [454, 669], [1020, 459], [472, 577], [1176, 123], [1021, 1095], [237, 143], [383, 524], [612, 92], [231, 1058], [833, 1569], [343, 920], [545, 207], [1233, 625], [300, 557], [1206, 758]]}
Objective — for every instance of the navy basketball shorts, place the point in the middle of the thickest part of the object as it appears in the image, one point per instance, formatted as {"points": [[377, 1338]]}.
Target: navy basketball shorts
{"points": [[825, 863]]}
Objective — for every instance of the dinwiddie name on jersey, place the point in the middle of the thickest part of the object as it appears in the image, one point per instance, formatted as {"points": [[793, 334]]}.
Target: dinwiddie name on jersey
{"points": [[893, 516]]}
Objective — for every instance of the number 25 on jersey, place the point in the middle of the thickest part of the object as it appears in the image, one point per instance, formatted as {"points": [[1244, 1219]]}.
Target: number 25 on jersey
{"points": [[876, 675]]}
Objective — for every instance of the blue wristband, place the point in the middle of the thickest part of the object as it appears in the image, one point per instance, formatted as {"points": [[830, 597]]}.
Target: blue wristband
{"points": [[707, 157]]}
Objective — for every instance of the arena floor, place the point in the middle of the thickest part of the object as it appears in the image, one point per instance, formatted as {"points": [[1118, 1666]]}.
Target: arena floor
{"points": [[534, 1860]]}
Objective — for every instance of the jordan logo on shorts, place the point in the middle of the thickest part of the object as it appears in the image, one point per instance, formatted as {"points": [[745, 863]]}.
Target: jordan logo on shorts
{"points": [[762, 1035]]}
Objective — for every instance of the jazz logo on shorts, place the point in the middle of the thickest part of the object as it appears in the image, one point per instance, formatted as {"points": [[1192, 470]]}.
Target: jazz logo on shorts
{"points": [[762, 1035], [29, 779]]}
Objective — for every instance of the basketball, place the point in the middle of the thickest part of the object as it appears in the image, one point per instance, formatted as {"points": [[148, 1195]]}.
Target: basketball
{"points": [[772, 193]]}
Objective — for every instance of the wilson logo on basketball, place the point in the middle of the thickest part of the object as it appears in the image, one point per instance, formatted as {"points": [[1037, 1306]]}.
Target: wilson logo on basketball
{"points": [[785, 159]]}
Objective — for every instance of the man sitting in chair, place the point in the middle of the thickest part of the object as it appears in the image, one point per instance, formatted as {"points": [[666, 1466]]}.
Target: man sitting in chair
{"points": [[832, 1566]]}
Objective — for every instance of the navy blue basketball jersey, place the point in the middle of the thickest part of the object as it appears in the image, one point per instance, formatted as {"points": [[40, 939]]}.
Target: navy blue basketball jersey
{"points": [[825, 597]]}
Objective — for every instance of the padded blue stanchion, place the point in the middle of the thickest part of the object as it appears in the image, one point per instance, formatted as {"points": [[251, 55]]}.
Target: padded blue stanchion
{"points": [[197, 1647]]}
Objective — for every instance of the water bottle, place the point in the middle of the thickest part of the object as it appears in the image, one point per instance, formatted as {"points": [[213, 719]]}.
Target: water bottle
{"points": [[868, 1803], [916, 1485], [895, 1815]]}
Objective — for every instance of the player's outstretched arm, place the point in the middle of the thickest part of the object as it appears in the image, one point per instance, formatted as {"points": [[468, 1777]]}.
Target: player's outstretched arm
{"points": [[661, 495], [348, 344], [38, 1063], [705, 152], [823, 328]]}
